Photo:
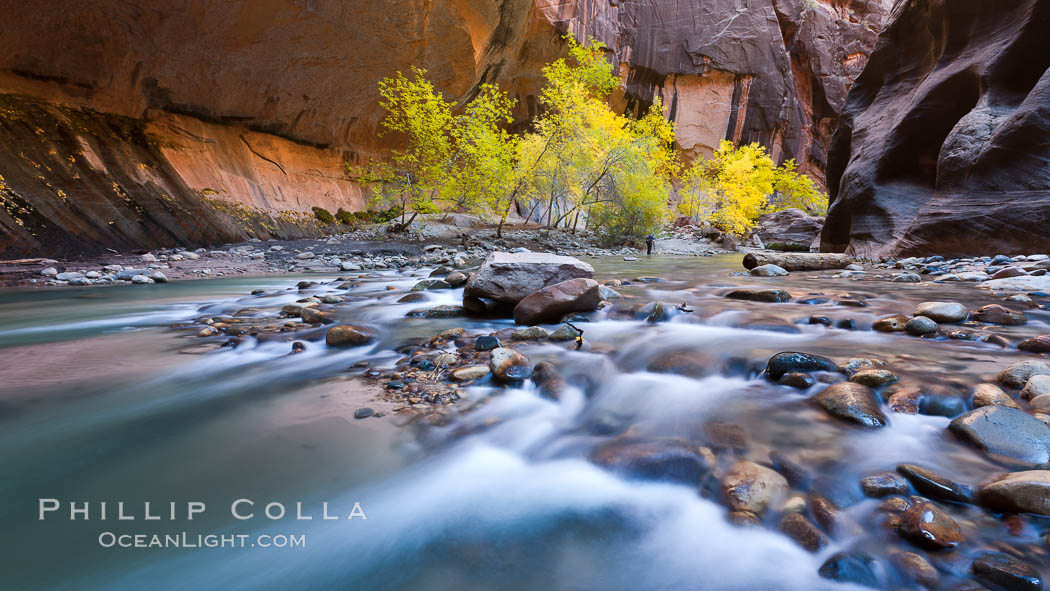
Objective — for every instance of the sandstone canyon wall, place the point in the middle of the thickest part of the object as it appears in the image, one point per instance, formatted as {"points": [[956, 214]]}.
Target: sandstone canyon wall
{"points": [[944, 144], [133, 125]]}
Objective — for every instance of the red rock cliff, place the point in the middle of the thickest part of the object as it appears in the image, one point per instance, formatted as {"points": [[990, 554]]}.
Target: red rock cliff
{"points": [[131, 124]]}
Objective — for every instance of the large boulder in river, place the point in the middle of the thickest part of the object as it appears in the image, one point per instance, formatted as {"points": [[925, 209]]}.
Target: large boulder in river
{"points": [[549, 304], [1006, 433], [941, 147], [789, 228], [510, 277]]}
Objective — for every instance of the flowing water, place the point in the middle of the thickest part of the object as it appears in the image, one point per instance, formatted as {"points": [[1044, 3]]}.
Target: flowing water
{"points": [[101, 400]]}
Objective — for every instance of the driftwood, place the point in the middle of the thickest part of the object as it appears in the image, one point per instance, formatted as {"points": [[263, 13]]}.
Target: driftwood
{"points": [[798, 261]]}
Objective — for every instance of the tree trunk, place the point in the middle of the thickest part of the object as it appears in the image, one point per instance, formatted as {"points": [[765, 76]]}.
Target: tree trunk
{"points": [[798, 261]]}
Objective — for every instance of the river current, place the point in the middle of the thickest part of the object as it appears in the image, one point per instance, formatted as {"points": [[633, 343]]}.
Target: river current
{"points": [[102, 400]]}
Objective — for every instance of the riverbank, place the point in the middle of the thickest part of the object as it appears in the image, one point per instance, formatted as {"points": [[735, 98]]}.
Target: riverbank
{"points": [[430, 243]]}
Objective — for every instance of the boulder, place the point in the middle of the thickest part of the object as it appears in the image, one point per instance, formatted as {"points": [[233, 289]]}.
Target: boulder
{"points": [[852, 402], [551, 303], [510, 277], [790, 227], [349, 336], [1018, 492], [1006, 433]]}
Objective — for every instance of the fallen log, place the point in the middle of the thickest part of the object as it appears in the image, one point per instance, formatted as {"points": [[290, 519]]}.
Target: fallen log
{"points": [[798, 261]]}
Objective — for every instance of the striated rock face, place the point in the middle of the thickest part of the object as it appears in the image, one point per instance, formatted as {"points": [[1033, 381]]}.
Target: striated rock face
{"points": [[768, 71], [943, 145], [256, 105]]}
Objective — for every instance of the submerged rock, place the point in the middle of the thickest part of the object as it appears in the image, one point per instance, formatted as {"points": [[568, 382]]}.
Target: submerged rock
{"points": [[852, 402], [548, 380], [555, 301], [850, 567], [760, 295], [672, 460], [448, 311], [873, 378], [1007, 432]]}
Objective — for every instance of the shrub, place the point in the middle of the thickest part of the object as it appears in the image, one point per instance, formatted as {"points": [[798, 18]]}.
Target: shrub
{"points": [[344, 217], [323, 215]]}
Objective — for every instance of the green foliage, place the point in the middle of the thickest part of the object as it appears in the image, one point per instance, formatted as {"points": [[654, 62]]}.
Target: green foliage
{"points": [[738, 184], [344, 217], [323, 215]]}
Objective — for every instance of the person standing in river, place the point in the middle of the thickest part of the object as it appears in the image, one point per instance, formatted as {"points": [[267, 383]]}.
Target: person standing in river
{"points": [[649, 241]]}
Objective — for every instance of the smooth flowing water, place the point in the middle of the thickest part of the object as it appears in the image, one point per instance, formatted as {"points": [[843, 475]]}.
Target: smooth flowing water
{"points": [[101, 400]]}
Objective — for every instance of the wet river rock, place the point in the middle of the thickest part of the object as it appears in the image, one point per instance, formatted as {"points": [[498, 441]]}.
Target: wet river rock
{"points": [[800, 529], [349, 336], [1001, 571], [942, 312], [793, 361], [760, 295], [511, 277], [883, 485], [752, 487], [991, 395], [1038, 385], [928, 526], [873, 378], [997, 314], [921, 326], [507, 365], [1005, 432], [549, 304], [1018, 492], [896, 323], [672, 460], [315, 316], [934, 485], [853, 402], [1040, 344], [851, 567], [1017, 375]]}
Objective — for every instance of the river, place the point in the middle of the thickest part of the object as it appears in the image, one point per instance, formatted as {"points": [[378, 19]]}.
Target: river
{"points": [[102, 400]]}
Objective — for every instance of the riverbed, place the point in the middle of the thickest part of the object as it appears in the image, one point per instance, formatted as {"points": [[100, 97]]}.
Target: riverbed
{"points": [[109, 394]]}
